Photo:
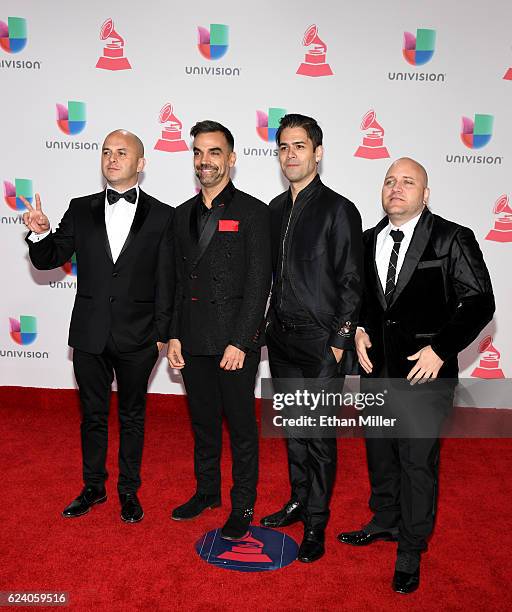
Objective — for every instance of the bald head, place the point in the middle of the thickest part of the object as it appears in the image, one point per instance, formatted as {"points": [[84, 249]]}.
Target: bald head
{"points": [[133, 138], [408, 160]]}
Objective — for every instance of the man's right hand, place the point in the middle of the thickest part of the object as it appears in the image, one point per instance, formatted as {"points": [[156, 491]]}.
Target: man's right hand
{"points": [[35, 219], [174, 356], [362, 340]]}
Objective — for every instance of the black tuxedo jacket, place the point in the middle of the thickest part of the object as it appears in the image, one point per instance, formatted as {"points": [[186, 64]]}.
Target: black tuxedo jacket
{"points": [[131, 298], [325, 259], [223, 278], [443, 297]]}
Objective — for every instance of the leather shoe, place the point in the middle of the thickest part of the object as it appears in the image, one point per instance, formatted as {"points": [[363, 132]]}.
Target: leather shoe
{"points": [[131, 510], [83, 503], [312, 547], [368, 534], [289, 514], [237, 525], [407, 574], [195, 506]]}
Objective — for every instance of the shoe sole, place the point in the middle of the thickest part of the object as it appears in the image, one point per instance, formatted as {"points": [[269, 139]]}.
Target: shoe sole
{"points": [[132, 520], [231, 539], [191, 518], [384, 539], [99, 501]]}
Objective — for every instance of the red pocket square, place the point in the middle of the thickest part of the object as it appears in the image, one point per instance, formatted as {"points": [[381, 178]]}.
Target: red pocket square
{"points": [[228, 225]]}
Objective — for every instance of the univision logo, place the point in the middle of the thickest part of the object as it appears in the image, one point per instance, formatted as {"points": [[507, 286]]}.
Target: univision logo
{"points": [[13, 39], [12, 193], [72, 120], [213, 44], [417, 50], [23, 331], [267, 124], [70, 268], [476, 133]]}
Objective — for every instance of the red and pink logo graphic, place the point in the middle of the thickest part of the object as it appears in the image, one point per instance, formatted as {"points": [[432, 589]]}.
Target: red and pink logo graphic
{"points": [[315, 63], [113, 51], [502, 230], [171, 140], [508, 75], [489, 366], [373, 140], [246, 550]]}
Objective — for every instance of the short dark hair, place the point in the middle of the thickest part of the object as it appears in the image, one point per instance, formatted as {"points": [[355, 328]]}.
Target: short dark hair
{"points": [[313, 130], [207, 126]]}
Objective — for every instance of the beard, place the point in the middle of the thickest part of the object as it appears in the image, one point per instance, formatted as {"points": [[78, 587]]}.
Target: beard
{"points": [[209, 178]]}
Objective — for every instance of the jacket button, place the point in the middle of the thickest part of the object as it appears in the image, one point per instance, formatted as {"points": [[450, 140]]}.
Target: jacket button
{"points": [[193, 276], [387, 322], [115, 274], [184, 258], [112, 298]]}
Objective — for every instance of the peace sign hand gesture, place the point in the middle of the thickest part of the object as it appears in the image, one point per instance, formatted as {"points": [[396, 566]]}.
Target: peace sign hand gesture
{"points": [[35, 219]]}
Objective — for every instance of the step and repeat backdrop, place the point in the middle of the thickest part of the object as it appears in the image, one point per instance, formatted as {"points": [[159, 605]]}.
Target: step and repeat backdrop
{"points": [[427, 79]]}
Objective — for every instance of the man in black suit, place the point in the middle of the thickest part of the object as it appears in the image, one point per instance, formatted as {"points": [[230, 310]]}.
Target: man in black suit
{"points": [[223, 281], [317, 261], [122, 238], [427, 295]]}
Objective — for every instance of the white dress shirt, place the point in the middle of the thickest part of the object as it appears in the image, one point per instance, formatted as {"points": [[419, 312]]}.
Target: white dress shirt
{"points": [[384, 246], [118, 220]]}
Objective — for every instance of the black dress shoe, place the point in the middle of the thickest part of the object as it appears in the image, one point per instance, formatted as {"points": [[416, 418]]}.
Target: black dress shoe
{"points": [[83, 503], [312, 547], [407, 574], [196, 505], [131, 510], [289, 514], [237, 525], [368, 534]]}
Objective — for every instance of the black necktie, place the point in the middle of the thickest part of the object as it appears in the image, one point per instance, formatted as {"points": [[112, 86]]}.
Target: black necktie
{"points": [[130, 196], [397, 236]]}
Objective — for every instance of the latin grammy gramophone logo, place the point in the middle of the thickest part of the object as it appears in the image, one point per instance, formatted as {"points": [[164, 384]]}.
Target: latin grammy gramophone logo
{"points": [[373, 139], [171, 140], [508, 75], [489, 366], [502, 230], [315, 63], [113, 51], [247, 550]]}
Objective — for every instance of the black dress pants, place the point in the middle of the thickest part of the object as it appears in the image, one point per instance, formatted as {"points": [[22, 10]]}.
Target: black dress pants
{"points": [[404, 471], [211, 392], [304, 352], [94, 375]]}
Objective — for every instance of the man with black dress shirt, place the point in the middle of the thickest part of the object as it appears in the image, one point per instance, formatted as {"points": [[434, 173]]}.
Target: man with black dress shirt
{"points": [[317, 261], [223, 280], [122, 238], [427, 295]]}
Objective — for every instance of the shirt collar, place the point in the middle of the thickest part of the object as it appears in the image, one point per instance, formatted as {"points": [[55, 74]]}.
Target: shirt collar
{"points": [[109, 186], [407, 228], [308, 189], [224, 197]]}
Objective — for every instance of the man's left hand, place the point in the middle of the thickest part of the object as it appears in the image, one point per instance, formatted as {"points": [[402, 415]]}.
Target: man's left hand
{"points": [[233, 358], [427, 366]]}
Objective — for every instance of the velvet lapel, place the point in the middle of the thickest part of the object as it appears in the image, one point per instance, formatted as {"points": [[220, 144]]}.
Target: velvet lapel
{"points": [[376, 281], [98, 215], [419, 241], [141, 213]]}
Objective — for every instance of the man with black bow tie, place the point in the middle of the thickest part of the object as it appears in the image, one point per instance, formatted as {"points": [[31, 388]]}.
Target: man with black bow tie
{"points": [[122, 238], [222, 244], [427, 295]]}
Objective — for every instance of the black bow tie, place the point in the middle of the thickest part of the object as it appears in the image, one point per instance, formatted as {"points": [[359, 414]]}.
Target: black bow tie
{"points": [[130, 196]]}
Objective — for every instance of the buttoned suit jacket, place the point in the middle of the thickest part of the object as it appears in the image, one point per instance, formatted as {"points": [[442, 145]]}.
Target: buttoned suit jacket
{"points": [[223, 277], [443, 297], [130, 299]]}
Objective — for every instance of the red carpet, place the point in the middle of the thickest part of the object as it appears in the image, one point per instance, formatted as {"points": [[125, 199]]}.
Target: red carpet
{"points": [[107, 565]]}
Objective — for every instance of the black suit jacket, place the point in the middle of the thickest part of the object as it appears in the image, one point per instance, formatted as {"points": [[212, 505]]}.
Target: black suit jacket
{"points": [[443, 297], [131, 298], [324, 259], [223, 278]]}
